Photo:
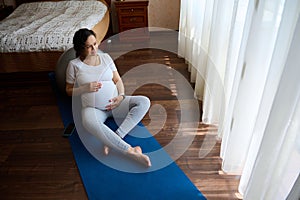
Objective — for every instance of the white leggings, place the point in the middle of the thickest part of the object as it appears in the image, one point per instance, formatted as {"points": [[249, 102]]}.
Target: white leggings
{"points": [[127, 115]]}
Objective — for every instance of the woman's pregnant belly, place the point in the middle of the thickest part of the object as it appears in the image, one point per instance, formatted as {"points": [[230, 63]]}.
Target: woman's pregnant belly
{"points": [[101, 98]]}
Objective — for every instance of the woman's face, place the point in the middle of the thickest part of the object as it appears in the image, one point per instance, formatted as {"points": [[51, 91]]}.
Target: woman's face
{"points": [[91, 46]]}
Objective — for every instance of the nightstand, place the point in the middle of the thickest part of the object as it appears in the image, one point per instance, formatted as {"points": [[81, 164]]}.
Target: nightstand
{"points": [[5, 11], [132, 14]]}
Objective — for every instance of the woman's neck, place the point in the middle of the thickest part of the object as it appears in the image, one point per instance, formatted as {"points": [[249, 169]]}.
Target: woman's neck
{"points": [[92, 60]]}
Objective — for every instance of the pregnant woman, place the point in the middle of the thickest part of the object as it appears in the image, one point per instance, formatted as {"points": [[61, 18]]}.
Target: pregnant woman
{"points": [[94, 76]]}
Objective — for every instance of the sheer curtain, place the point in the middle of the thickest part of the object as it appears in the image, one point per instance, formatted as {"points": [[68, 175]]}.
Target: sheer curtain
{"points": [[244, 59]]}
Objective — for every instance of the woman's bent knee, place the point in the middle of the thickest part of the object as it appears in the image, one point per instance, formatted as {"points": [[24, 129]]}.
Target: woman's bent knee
{"points": [[145, 102]]}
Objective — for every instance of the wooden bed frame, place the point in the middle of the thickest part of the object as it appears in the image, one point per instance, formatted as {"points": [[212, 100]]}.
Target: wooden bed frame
{"points": [[44, 61]]}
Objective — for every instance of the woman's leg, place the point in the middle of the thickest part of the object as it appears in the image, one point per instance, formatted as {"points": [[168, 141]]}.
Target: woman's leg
{"points": [[130, 112], [93, 120]]}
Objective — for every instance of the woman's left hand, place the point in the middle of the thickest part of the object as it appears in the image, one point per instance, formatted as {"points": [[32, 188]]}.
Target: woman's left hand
{"points": [[114, 102]]}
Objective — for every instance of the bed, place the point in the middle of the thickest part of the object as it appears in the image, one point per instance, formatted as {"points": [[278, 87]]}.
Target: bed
{"points": [[36, 44]]}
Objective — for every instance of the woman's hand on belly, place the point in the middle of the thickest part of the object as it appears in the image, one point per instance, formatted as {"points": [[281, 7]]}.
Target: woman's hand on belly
{"points": [[114, 102], [100, 97], [93, 86]]}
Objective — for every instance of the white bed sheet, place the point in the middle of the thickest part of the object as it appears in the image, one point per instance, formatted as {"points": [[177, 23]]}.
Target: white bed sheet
{"points": [[48, 26]]}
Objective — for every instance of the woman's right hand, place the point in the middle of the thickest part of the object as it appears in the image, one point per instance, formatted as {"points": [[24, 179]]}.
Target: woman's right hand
{"points": [[89, 87], [93, 86]]}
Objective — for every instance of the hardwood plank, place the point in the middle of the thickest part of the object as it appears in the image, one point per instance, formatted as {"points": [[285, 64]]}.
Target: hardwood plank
{"points": [[38, 164]]}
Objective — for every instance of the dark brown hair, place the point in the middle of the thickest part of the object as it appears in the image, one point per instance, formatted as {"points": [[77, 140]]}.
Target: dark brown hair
{"points": [[80, 38]]}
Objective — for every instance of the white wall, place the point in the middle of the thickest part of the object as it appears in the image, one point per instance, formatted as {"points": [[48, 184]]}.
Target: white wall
{"points": [[161, 13], [164, 13]]}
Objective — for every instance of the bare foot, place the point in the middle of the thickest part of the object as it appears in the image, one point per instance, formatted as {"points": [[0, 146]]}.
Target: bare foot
{"points": [[105, 150], [137, 149], [136, 153]]}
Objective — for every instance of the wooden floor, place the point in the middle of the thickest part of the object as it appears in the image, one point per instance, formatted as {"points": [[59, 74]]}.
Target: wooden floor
{"points": [[37, 163]]}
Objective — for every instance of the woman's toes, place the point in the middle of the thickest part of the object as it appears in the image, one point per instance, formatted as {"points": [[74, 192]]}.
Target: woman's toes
{"points": [[106, 150], [140, 157], [138, 149]]}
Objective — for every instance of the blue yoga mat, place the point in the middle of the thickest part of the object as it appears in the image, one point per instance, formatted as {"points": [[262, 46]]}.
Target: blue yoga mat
{"points": [[103, 182]]}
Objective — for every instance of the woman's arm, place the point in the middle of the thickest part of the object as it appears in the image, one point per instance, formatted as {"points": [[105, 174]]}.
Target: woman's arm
{"points": [[119, 83], [121, 91], [90, 87], [70, 90]]}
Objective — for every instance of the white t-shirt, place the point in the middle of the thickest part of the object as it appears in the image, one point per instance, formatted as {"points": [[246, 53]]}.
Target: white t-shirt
{"points": [[80, 73]]}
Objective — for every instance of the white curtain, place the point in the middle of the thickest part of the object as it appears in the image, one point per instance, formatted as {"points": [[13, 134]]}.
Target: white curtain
{"points": [[244, 59]]}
